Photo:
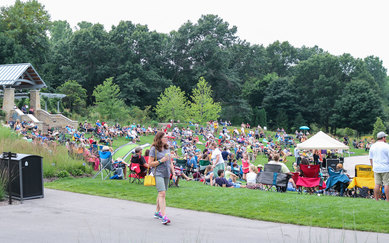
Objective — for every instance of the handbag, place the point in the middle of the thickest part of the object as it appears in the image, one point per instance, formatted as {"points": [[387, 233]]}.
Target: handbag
{"points": [[150, 179]]}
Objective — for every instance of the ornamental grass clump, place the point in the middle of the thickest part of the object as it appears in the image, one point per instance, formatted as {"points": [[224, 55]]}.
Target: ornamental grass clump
{"points": [[55, 158], [2, 187]]}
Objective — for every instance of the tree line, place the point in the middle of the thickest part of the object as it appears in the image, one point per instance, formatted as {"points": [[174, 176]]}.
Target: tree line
{"points": [[278, 85]]}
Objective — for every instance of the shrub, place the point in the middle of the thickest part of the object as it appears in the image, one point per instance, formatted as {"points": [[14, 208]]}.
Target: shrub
{"points": [[48, 172], [63, 174], [76, 172]]}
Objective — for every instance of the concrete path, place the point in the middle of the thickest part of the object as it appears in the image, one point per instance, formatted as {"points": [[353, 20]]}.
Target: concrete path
{"points": [[71, 217], [350, 162]]}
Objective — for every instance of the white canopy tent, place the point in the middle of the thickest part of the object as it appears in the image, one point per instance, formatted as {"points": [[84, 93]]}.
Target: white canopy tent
{"points": [[322, 141]]}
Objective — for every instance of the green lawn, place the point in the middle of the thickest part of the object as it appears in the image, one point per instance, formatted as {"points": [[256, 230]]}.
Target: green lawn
{"points": [[310, 210]]}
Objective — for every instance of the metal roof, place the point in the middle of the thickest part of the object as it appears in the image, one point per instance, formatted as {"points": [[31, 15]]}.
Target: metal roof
{"points": [[20, 76]]}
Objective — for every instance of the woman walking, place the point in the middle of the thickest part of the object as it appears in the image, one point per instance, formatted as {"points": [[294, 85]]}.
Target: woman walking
{"points": [[163, 168]]}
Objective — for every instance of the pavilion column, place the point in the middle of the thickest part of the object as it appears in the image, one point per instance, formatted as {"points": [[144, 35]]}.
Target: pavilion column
{"points": [[35, 100], [8, 100]]}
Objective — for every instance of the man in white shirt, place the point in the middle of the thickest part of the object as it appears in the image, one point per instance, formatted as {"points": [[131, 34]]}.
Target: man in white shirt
{"points": [[217, 159], [379, 160]]}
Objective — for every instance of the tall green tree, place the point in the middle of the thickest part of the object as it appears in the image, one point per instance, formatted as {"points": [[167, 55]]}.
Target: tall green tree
{"points": [[75, 99], [279, 102], [172, 105], [318, 83], [358, 107], [281, 57], [108, 103], [262, 117], [254, 90], [281, 120], [54, 71], [202, 107], [27, 24], [379, 73], [202, 50], [298, 121], [89, 55], [139, 62]]}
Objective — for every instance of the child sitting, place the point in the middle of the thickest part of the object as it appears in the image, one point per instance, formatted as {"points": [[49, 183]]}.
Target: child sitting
{"points": [[221, 180]]}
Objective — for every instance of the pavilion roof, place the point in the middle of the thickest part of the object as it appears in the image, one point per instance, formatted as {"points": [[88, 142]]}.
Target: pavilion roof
{"points": [[20, 76]]}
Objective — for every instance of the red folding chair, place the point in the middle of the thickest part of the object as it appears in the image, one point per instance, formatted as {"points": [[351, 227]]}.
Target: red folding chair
{"points": [[136, 173], [310, 177]]}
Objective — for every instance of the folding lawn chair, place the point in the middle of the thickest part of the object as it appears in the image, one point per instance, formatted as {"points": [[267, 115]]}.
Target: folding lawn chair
{"points": [[337, 181], [311, 177], [203, 165], [273, 179], [295, 176], [105, 165], [182, 164], [136, 174], [364, 178]]}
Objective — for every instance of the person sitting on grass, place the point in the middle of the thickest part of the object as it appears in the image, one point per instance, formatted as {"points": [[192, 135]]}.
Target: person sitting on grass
{"points": [[208, 175], [252, 178], [191, 164], [222, 181], [291, 186], [231, 177], [120, 163]]}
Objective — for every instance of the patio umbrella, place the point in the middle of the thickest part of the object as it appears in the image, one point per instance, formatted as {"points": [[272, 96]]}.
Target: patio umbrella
{"points": [[304, 128]]}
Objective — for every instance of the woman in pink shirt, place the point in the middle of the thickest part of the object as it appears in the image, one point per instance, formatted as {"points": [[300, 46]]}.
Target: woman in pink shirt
{"points": [[245, 165]]}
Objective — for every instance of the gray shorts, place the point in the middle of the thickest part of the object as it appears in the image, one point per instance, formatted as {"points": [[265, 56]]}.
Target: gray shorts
{"points": [[161, 183], [381, 178]]}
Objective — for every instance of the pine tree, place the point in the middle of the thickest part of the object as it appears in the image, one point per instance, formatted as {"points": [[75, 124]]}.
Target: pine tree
{"points": [[378, 127]]}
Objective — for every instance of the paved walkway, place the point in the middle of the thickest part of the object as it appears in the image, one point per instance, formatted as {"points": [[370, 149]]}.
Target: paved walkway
{"points": [[71, 217], [350, 162]]}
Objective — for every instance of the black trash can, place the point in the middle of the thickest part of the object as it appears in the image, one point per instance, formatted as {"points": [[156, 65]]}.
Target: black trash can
{"points": [[27, 176]]}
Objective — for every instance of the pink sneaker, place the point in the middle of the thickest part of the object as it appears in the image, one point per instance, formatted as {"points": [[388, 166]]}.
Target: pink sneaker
{"points": [[165, 220]]}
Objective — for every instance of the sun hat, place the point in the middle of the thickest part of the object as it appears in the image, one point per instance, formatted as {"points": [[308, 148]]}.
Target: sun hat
{"points": [[381, 135], [138, 149], [105, 148], [259, 165]]}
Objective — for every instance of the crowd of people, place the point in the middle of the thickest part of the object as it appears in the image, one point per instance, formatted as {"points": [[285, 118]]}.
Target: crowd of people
{"points": [[233, 150], [215, 154]]}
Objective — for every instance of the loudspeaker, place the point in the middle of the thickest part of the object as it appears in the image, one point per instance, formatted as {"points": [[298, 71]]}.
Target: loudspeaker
{"points": [[27, 176], [331, 163]]}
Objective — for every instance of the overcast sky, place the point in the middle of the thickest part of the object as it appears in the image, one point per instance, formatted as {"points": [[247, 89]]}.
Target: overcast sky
{"points": [[337, 26]]}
